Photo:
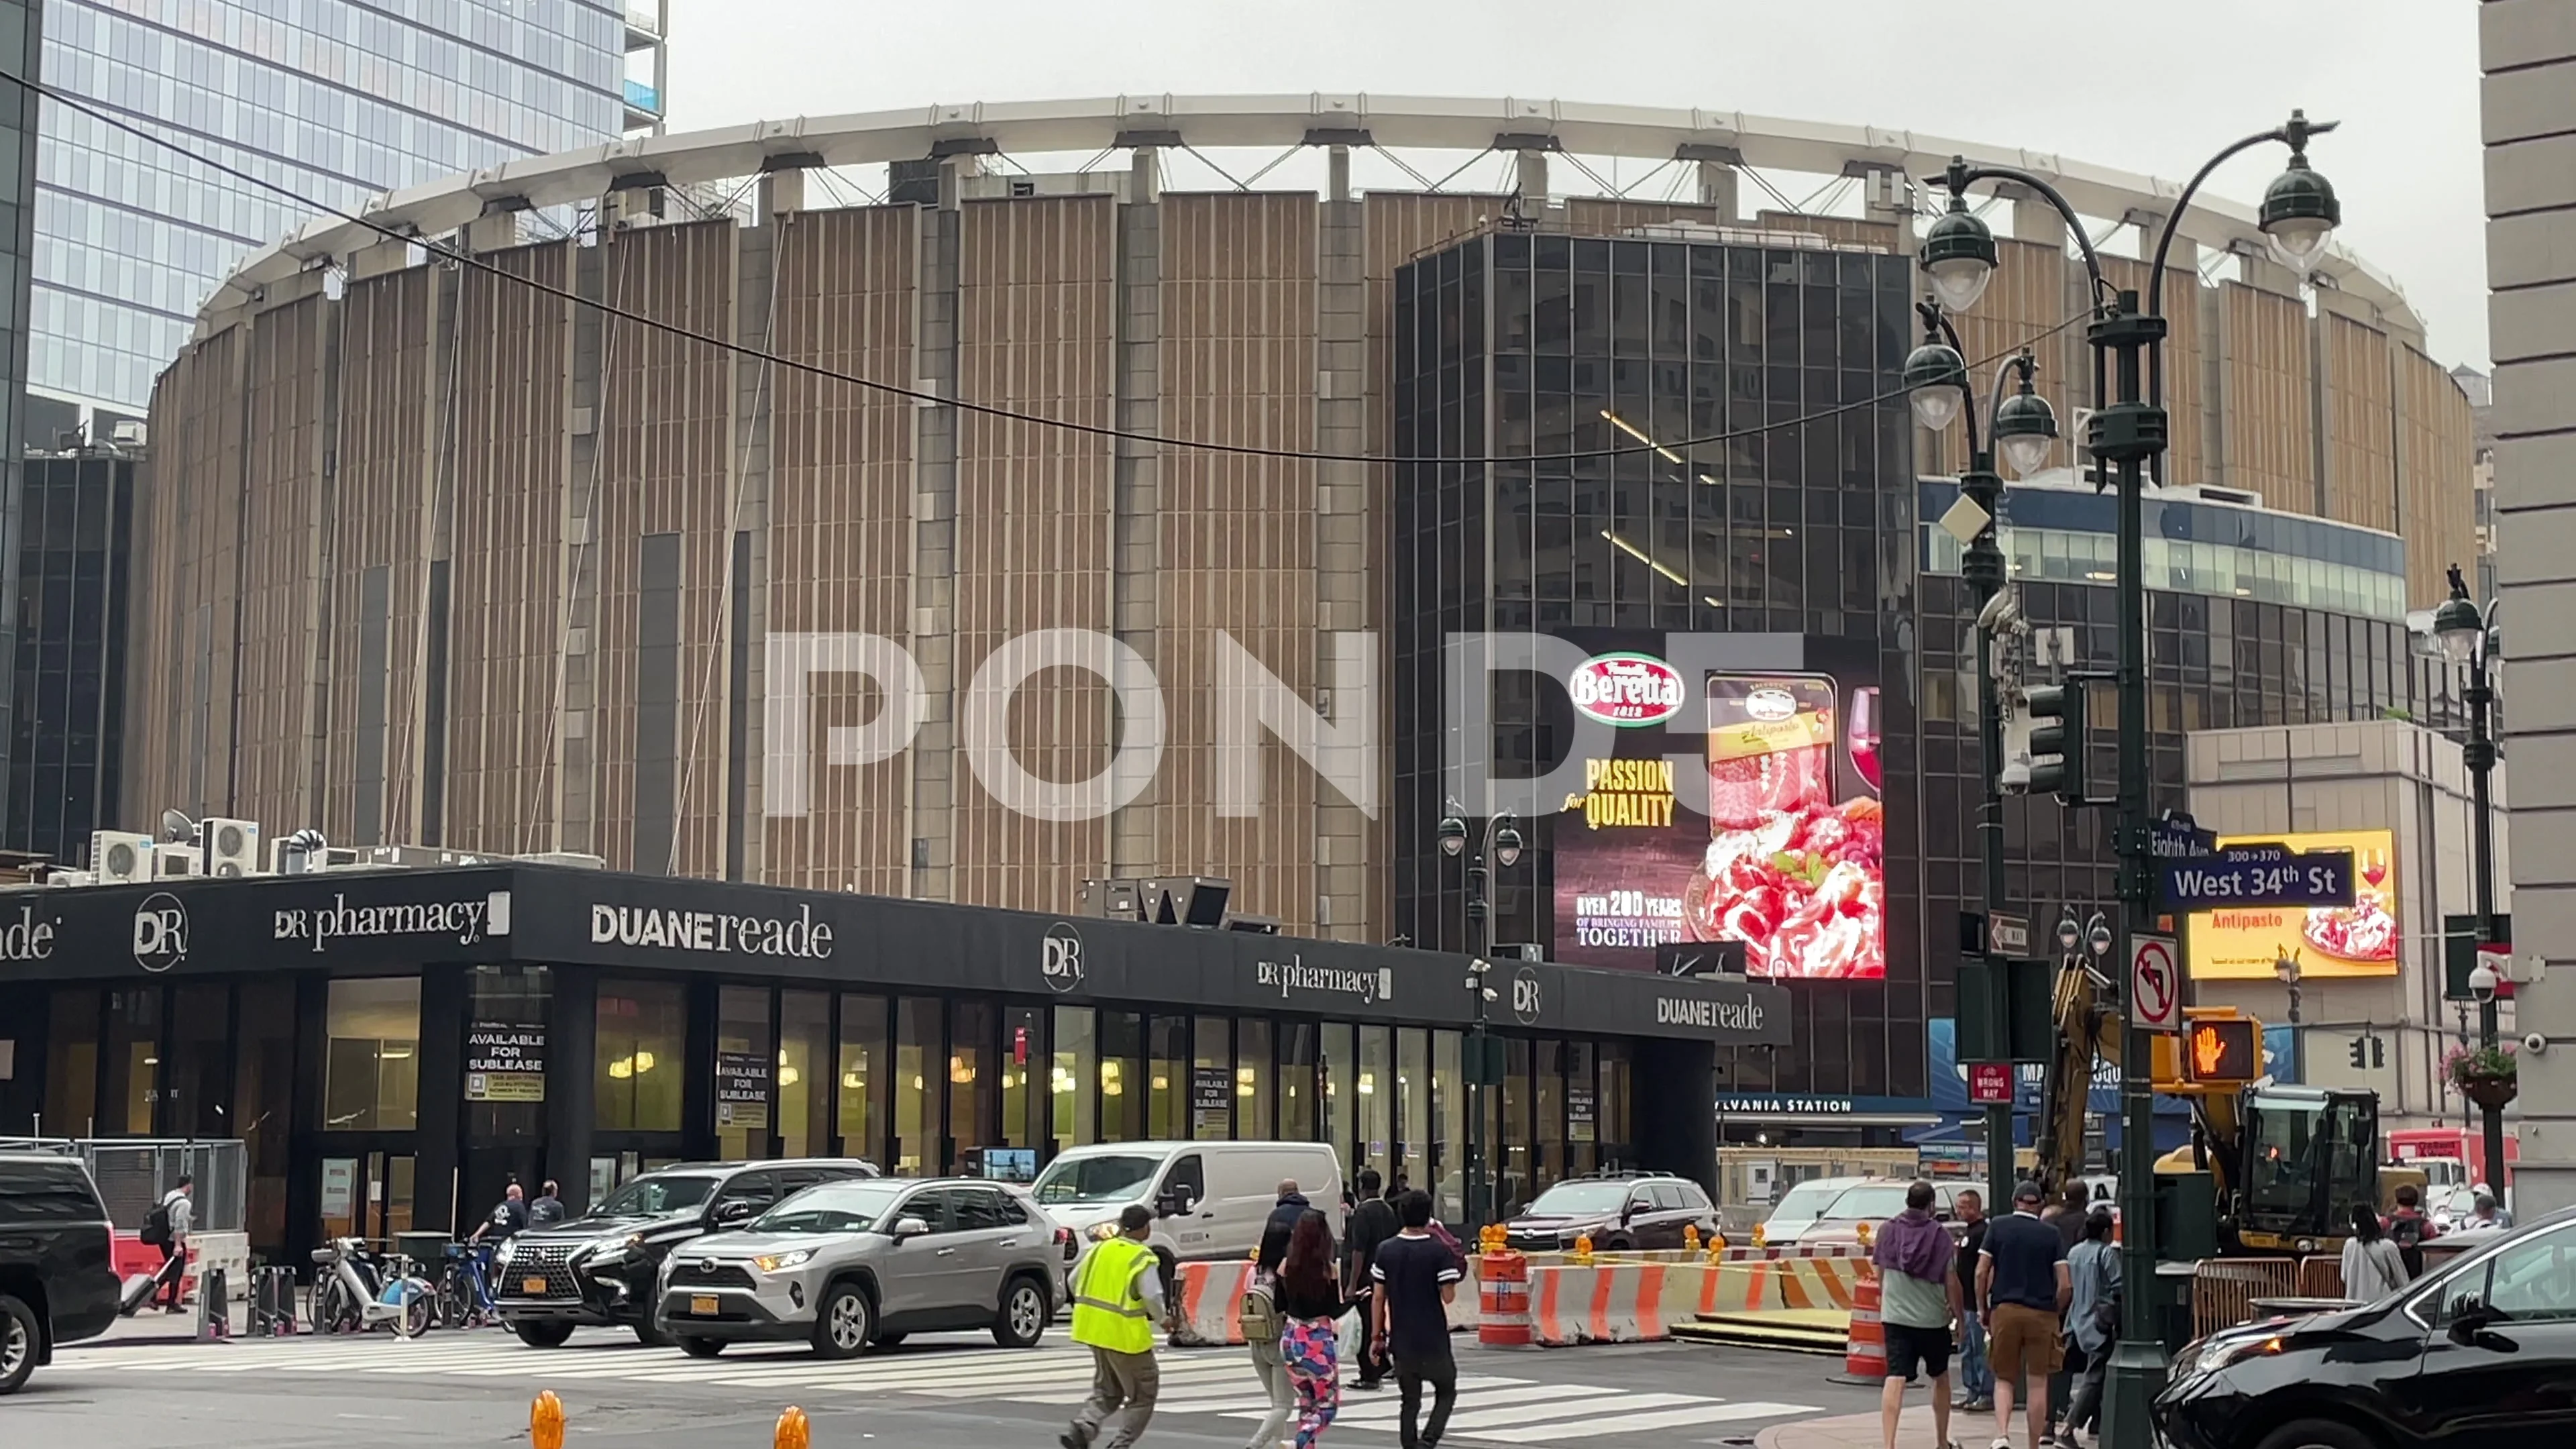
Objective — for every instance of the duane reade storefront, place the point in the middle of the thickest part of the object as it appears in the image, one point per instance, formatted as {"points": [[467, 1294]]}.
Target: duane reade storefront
{"points": [[395, 1046]]}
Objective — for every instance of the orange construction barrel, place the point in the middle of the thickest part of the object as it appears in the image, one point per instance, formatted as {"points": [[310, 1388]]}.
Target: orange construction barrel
{"points": [[1865, 1351], [1503, 1319]]}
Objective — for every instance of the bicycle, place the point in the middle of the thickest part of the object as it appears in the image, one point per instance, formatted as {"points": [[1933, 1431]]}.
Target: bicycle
{"points": [[356, 1289], [465, 1287]]}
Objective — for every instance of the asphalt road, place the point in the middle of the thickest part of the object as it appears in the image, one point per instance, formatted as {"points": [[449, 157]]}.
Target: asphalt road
{"points": [[937, 1392]]}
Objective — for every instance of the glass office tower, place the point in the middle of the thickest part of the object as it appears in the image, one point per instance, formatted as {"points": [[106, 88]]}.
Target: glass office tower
{"points": [[333, 99]]}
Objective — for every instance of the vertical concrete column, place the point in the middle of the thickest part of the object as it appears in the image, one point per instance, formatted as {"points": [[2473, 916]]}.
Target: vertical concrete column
{"points": [[781, 192], [1533, 178], [746, 568], [1135, 525], [2527, 49], [1718, 187], [594, 343], [1346, 901], [933, 756], [2217, 347]]}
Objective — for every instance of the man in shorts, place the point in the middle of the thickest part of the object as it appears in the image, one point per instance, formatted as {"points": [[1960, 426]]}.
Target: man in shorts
{"points": [[1918, 1277], [2023, 1288]]}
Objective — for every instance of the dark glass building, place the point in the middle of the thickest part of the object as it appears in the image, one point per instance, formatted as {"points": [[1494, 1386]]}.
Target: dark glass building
{"points": [[1727, 557], [72, 566]]}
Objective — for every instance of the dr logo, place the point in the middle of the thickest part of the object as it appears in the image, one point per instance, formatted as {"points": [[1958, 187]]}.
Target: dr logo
{"points": [[1526, 1003], [1060, 961], [160, 932]]}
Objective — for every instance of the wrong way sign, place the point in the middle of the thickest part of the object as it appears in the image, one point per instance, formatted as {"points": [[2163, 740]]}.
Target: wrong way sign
{"points": [[2155, 983]]}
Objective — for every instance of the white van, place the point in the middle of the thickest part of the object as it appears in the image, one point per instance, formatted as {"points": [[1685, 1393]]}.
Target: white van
{"points": [[1210, 1199]]}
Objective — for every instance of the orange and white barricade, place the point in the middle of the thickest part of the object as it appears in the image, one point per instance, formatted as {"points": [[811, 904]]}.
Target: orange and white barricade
{"points": [[1210, 1303]]}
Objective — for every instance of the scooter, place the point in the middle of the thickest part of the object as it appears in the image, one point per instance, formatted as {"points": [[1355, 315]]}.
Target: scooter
{"points": [[359, 1290]]}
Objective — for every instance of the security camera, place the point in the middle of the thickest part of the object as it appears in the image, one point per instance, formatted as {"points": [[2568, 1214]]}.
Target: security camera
{"points": [[2534, 1043]]}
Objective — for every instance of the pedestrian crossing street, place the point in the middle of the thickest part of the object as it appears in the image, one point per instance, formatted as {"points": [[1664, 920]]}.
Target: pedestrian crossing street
{"points": [[1493, 1408]]}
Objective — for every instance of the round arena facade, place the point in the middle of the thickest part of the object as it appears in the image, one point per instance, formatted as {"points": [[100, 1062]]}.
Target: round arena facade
{"points": [[429, 555]]}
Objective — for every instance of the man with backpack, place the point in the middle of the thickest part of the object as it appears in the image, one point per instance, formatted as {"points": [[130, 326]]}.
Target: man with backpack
{"points": [[2408, 1228], [167, 1228]]}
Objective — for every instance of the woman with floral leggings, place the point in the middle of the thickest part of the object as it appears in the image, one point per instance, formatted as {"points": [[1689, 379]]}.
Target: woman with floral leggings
{"points": [[1311, 1308]]}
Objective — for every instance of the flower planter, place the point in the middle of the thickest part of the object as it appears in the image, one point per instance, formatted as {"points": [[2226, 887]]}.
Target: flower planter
{"points": [[2488, 1091]]}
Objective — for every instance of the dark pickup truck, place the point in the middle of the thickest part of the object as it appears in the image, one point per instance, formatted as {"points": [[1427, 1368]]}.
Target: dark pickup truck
{"points": [[57, 1262]]}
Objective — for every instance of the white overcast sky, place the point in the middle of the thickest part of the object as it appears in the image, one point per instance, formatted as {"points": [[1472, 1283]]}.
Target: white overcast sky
{"points": [[2046, 75]]}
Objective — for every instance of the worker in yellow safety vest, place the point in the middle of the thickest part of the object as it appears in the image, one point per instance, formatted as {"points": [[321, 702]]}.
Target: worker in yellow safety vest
{"points": [[1117, 1301]]}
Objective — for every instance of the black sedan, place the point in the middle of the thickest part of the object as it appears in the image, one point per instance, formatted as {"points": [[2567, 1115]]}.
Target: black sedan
{"points": [[2481, 1352]]}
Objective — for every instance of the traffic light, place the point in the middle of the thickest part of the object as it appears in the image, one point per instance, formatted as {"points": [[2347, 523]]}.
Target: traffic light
{"points": [[2369, 1053], [2056, 740], [2223, 1050]]}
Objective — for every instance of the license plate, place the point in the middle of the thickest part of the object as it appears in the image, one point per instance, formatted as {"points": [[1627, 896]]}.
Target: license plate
{"points": [[536, 1287], [704, 1305]]}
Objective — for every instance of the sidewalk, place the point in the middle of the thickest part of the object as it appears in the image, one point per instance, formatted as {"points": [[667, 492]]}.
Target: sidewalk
{"points": [[1860, 1431]]}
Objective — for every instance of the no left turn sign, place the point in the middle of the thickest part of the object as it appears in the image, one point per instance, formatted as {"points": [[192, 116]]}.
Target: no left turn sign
{"points": [[2155, 983]]}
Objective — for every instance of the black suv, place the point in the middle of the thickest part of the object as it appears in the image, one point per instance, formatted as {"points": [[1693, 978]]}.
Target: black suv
{"points": [[57, 1263], [1619, 1212], [599, 1268]]}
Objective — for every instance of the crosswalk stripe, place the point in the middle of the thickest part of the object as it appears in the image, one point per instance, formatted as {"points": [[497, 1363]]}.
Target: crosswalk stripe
{"points": [[1706, 1412], [1578, 1398], [1567, 1406]]}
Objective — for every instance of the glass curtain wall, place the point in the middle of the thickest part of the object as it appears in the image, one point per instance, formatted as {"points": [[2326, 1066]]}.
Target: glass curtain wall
{"points": [[371, 1056], [805, 1086], [639, 1056], [745, 1073], [867, 1077]]}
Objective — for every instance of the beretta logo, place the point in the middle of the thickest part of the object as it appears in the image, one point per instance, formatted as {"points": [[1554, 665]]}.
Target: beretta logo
{"points": [[714, 931], [160, 932], [26, 938], [1627, 690], [1060, 957]]}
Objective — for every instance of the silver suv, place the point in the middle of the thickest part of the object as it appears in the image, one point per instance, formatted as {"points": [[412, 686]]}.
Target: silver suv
{"points": [[860, 1262]]}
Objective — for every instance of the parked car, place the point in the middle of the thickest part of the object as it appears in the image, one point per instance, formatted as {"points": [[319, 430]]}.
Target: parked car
{"points": [[854, 1263], [601, 1269], [1210, 1199], [1869, 1202], [1800, 1205], [57, 1262], [1639, 1213], [2481, 1351]]}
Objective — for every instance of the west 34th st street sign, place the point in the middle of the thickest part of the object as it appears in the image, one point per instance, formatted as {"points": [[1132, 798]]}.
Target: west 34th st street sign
{"points": [[2259, 875]]}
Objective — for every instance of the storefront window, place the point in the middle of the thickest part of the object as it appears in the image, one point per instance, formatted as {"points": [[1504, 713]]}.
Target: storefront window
{"points": [[916, 1046], [1617, 1128], [1413, 1093], [1448, 1182], [133, 1061], [1297, 1076], [71, 1072], [1073, 1083], [1582, 1108], [200, 1098], [973, 1081], [1170, 1037], [641, 1054], [1549, 1129], [1255, 1099], [1339, 1051], [804, 1074], [744, 1072], [1024, 1107], [1513, 1163], [865, 1076], [263, 1103], [506, 1027], [371, 1057], [1122, 1077], [1376, 1099], [1212, 1079]]}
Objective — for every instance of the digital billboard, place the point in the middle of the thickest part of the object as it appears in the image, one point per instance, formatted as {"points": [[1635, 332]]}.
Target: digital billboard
{"points": [[2240, 943], [1781, 850]]}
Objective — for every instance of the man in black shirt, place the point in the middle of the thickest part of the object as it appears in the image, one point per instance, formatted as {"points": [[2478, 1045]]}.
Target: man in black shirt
{"points": [[1416, 1277], [1283, 1221], [1372, 1223], [509, 1216], [1976, 1379]]}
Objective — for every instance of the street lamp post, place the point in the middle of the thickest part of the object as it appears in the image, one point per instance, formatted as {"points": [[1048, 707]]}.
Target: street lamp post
{"points": [[2464, 635], [2023, 427], [2126, 437], [1502, 834]]}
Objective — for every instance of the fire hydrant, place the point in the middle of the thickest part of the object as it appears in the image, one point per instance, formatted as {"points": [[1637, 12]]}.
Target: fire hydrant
{"points": [[546, 1422], [1582, 1254]]}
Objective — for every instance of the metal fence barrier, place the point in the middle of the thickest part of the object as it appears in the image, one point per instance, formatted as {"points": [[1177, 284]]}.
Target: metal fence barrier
{"points": [[2223, 1290], [134, 1173]]}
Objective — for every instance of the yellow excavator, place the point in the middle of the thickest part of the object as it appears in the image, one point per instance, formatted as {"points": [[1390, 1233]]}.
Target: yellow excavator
{"points": [[2286, 1164]]}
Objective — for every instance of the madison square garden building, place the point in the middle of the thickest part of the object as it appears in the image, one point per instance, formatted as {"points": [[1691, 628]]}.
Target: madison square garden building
{"points": [[425, 555]]}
